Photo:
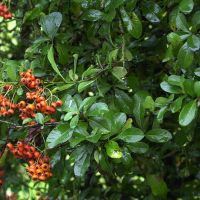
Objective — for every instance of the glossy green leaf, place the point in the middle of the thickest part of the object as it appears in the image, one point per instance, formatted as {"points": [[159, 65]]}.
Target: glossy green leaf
{"points": [[111, 14], [97, 109], [152, 11], [170, 88], [188, 113], [58, 135], [11, 71], [126, 156], [86, 103], [196, 19], [55, 158], [124, 102], [39, 118], [113, 150], [131, 135], [158, 135], [193, 42], [103, 161], [52, 61], [189, 87], [119, 72], [176, 42], [161, 113], [197, 72], [174, 80], [185, 56], [82, 165], [74, 121], [27, 120], [63, 53], [197, 88], [139, 110], [51, 23], [78, 153], [176, 105], [138, 147], [92, 30], [93, 15], [182, 23], [157, 185], [103, 124], [82, 86], [19, 91], [133, 25], [30, 15], [186, 6]]}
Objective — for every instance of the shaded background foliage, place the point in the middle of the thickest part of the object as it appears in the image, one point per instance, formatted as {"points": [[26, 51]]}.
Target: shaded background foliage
{"points": [[131, 53]]}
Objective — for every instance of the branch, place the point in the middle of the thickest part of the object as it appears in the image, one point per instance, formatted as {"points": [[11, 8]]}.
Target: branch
{"points": [[27, 126], [123, 43]]}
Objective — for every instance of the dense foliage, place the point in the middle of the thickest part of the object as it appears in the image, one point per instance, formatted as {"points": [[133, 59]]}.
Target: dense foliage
{"points": [[127, 72]]}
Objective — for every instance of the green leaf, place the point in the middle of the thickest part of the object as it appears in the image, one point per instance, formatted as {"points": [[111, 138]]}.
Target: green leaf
{"points": [[157, 185], [174, 80], [11, 71], [52, 61], [55, 158], [176, 42], [152, 11], [158, 135], [82, 165], [60, 88], [134, 25], [51, 23], [111, 14], [186, 6], [86, 103], [119, 72], [39, 118], [68, 116], [197, 72], [63, 53], [90, 71], [139, 110], [193, 42], [78, 153], [182, 23], [188, 113], [103, 161], [161, 113], [93, 15], [94, 138], [124, 102], [58, 135], [113, 150], [82, 86], [19, 91], [170, 88], [196, 19], [92, 30], [97, 109], [30, 15], [103, 124], [138, 147], [188, 85], [74, 121], [126, 156], [176, 105], [169, 54], [131, 135], [197, 88], [27, 120]]}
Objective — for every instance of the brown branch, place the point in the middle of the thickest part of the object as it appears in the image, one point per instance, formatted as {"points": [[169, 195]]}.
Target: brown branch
{"points": [[27, 126]]}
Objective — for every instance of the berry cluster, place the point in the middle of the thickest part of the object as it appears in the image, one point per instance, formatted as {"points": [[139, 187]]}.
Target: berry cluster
{"points": [[1, 174], [29, 79], [12, 196], [4, 12], [28, 110], [39, 168]]}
